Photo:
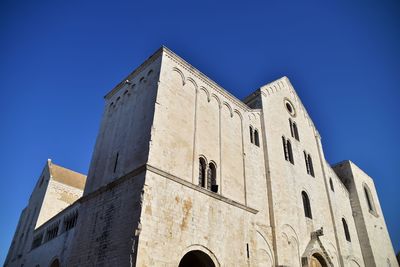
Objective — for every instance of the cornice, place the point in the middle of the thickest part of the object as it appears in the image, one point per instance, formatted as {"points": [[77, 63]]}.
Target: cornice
{"points": [[139, 69], [199, 189], [204, 78]]}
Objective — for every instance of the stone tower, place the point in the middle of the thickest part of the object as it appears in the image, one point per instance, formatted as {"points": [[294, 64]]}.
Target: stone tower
{"points": [[371, 227]]}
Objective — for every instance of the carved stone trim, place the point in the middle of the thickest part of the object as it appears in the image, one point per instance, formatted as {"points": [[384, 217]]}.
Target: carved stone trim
{"points": [[198, 74], [199, 189]]}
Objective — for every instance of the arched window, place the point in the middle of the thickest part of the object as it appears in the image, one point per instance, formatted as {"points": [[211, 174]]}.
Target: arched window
{"points": [[202, 172], [256, 138], [212, 178], [55, 263], [346, 230], [290, 151], [285, 150], [306, 205], [251, 134], [291, 127], [295, 131], [310, 165], [306, 162], [331, 184], [368, 197]]}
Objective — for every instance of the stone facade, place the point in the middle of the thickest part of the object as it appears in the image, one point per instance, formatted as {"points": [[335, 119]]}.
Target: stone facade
{"points": [[185, 174]]}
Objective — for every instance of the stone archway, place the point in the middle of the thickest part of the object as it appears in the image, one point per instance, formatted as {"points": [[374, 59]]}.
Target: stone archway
{"points": [[196, 258], [55, 263], [316, 260]]}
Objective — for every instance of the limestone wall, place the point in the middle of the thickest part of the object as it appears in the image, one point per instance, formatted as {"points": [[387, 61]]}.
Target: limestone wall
{"points": [[293, 230], [374, 238], [58, 247], [107, 228], [58, 197], [27, 222], [178, 216], [340, 201], [123, 140], [48, 199], [195, 118]]}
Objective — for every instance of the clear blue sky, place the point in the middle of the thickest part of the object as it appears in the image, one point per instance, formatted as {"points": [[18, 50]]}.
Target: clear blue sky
{"points": [[58, 59]]}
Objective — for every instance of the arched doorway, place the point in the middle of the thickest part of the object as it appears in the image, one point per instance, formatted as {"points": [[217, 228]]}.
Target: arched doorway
{"points": [[55, 263], [317, 260], [196, 258]]}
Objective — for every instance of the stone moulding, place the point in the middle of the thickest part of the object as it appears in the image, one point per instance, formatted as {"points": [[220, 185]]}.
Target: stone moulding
{"points": [[148, 167], [199, 189]]}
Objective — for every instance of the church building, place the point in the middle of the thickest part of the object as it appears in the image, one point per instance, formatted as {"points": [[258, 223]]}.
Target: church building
{"points": [[184, 174]]}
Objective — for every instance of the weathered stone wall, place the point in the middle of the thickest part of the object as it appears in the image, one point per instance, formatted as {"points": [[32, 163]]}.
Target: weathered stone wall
{"points": [[195, 118], [26, 225], [374, 238], [340, 203], [143, 205], [107, 226], [58, 196], [178, 217], [123, 140], [48, 199], [57, 248], [293, 230]]}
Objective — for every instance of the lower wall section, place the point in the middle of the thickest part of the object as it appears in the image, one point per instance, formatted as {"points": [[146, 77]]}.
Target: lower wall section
{"points": [[177, 219], [58, 248], [107, 225]]}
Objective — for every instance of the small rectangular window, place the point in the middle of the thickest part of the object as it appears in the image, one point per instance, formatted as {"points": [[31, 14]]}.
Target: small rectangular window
{"points": [[116, 162], [52, 231], [37, 240], [70, 221]]}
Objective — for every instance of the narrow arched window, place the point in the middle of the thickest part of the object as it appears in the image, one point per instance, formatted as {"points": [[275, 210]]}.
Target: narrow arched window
{"points": [[251, 134], [202, 172], [306, 162], [285, 150], [290, 151], [295, 131], [256, 138], [310, 165], [331, 185], [291, 127], [368, 198], [306, 205], [346, 230], [212, 172]]}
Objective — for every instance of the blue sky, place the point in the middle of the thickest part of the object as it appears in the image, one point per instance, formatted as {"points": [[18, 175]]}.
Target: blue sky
{"points": [[59, 58]]}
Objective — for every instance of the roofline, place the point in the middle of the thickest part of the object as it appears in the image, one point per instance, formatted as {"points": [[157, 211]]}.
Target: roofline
{"points": [[142, 66]]}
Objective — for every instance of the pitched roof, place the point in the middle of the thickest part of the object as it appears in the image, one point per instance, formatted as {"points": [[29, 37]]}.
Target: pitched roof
{"points": [[66, 176]]}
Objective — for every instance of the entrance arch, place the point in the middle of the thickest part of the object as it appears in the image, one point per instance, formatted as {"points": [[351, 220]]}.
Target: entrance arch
{"points": [[55, 263], [316, 260], [196, 258]]}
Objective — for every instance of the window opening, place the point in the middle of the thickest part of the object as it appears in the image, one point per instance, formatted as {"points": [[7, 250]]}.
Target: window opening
{"points": [[306, 205], [346, 230], [256, 138], [202, 172], [116, 162], [213, 178], [331, 184], [251, 134]]}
